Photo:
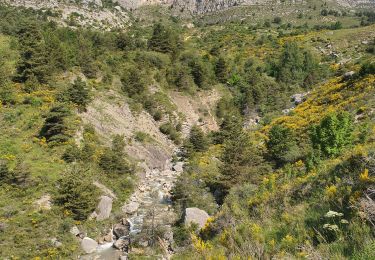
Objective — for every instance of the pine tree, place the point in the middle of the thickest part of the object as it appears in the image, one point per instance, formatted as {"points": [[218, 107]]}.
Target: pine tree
{"points": [[281, 145], [132, 82], [33, 55], [6, 91], [241, 161], [78, 93], [199, 73], [221, 70], [163, 39], [76, 194], [86, 57], [20, 176], [290, 68], [4, 172], [198, 139], [113, 161], [54, 128]]}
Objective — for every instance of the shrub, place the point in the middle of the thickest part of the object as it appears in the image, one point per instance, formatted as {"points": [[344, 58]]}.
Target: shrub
{"points": [[281, 145], [76, 194], [132, 82], [367, 68], [333, 134]]}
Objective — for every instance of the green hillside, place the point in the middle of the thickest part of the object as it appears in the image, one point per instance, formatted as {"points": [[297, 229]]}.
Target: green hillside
{"points": [[271, 115]]}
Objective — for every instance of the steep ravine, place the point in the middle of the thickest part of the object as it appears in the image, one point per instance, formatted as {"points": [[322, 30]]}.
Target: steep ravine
{"points": [[148, 214]]}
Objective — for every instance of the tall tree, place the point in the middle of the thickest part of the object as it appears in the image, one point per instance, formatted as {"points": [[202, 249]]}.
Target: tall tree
{"points": [[76, 194], [281, 144], [221, 70], [33, 56], [163, 39], [290, 68], [198, 139], [78, 93], [55, 128], [113, 161], [241, 160]]}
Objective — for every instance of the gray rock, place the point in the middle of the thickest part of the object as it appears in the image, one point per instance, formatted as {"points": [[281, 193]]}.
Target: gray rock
{"points": [[88, 245], [44, 203], [3, 226], [197, 216], [178, 167], [55, 242], [121, 229], [75, 231], [349, 74], [122, 244], [104, 208], [143, 243], [131, 207], [299, 98]]}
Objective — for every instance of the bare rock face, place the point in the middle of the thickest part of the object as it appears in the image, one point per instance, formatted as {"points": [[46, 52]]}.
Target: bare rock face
{"points": [[197, 216], [205, 6], [88, 245]]}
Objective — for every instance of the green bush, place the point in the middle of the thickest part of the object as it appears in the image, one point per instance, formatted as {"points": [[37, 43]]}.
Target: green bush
{"points": [[76, 194], [333, 134]]}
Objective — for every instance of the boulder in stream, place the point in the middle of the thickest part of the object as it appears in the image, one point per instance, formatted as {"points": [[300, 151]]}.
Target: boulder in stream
{"points": [[88, 245], [123, 244], [131, 207], [121, 229]]}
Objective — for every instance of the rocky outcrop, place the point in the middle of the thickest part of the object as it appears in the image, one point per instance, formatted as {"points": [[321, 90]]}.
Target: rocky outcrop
{"points": [[44, 203], [196, 216], [104, 209]]}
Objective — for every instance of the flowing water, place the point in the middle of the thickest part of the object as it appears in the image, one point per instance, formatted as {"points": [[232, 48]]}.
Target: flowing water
{"points": [[148, 209]]}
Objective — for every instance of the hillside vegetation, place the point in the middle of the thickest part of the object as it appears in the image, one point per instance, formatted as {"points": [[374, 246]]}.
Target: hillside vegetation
{"points": [[273, 117]]}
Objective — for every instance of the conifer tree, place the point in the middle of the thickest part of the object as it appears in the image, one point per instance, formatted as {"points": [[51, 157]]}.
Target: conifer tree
{"points": [[4, 172], [54, 128], [113, 161], [76, 194], [198, 139], [241, 159], [20, 176], [78, 93], [221, 70], [281, 144], [163, 39], [33, 56]]}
